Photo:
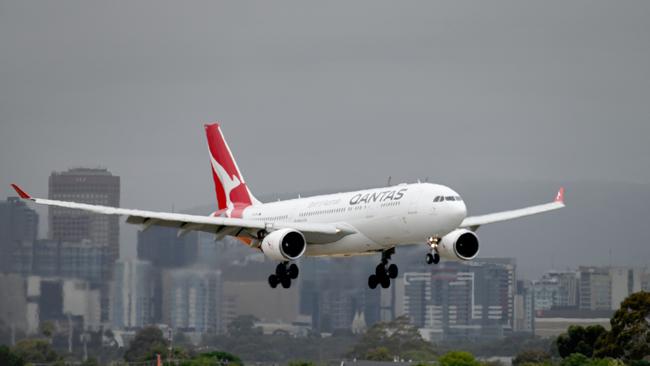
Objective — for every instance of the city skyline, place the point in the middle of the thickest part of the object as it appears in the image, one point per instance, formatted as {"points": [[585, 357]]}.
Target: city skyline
{"points": [[500, 102]]}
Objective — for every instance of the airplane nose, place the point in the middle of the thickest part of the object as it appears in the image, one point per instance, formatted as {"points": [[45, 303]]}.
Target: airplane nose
{"points": [[460, 211]]}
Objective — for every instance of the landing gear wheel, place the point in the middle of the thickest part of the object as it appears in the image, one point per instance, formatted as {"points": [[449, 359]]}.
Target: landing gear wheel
{"points": [[433, 258], [273, 281], [436, 258], [284, 273], [280, 270], [385, 281], [372, 281], [380, 270], [293, 271], [393, 271]]}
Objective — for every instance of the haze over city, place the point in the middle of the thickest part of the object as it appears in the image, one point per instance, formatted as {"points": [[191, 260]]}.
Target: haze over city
{"points": [[505, 102]]}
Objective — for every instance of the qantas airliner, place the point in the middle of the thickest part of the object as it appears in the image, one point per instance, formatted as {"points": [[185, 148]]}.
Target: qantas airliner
{"points": [[342, 224]]}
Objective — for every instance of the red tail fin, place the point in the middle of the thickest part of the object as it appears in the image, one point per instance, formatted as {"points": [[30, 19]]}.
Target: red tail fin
{"points": [[232, 193]]}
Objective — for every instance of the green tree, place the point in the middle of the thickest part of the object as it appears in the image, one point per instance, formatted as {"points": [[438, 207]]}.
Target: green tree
{"points": [[606, 362], [35, 351], [531, 357], [458, 358], [214, 358], [91, 361], [399, 337], [378, 354], [47, 329], [579, 339], [629, 337], [301, 363], [147, 342], [244, 326], [576, 359], [640, 363], [9, 358]]}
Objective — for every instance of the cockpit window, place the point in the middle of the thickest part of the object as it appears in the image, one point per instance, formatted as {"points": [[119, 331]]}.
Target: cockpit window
{"points": [[450, 198], [458, 198], [437, 199]]}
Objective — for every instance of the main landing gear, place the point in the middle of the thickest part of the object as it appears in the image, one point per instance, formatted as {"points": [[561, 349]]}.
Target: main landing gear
{"points": [[383, 274], [284, 273], [433, 256]]}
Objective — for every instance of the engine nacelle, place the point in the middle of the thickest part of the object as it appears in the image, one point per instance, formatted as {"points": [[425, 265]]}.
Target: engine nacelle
{"points": [[460, 244], [284, 244]]}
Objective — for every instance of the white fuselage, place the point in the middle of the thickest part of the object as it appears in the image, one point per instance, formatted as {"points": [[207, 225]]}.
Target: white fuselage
{"points": [[382, 217]]}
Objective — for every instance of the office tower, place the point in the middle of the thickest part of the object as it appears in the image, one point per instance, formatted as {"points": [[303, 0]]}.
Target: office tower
{"points": [[133, 294], [556, 289], [595, 288], [462, 300], [330, 295], [18, 227], [165, 249], [547, 293], [524, 302], [624, 282], [192, 300], [93, 186]]}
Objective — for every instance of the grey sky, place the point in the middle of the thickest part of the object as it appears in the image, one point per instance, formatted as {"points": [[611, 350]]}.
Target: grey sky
{"points": [[324, 95]]}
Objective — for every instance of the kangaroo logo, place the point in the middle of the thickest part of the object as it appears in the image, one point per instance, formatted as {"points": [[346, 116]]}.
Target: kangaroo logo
{"points": [[228, 183]]}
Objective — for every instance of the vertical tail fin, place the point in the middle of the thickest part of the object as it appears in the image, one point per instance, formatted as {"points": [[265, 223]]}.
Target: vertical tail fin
{"points": [[232, 193]]}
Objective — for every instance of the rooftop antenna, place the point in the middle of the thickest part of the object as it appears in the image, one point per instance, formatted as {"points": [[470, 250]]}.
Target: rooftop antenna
{"points": [[389, 178], [610, 257]]}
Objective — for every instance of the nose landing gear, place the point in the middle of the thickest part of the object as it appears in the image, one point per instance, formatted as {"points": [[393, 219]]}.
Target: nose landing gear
{"points": [[433, 256], [384, 272], [284, 273]]}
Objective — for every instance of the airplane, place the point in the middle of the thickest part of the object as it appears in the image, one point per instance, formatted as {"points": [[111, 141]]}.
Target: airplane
{"points": [[361, 222]]}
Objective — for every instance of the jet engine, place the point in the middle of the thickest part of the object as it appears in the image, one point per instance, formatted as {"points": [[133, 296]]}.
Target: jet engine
{"points": [[284, 245], [460, 244]]}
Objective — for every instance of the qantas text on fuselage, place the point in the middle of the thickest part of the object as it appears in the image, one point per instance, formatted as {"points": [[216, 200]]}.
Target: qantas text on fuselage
{"points": [[342, 224]]}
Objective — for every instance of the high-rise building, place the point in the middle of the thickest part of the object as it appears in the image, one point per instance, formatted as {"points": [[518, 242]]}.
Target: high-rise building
{"points": [[556, 289], [624, 281], [645, 281], [192, 300], [18, 227], [72, 260], [547, 293], [462, 300], [330, 296], [133, 294], [595, 288], [524, 308], [93, 186], [165, 249]]}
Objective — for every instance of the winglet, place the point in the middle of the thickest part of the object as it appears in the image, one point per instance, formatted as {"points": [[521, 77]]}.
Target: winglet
{"points": [[560, 195], [21, 193]]}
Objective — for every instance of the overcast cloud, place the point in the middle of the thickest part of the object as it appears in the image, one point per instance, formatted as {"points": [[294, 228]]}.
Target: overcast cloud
{"points": [[324, 95]]}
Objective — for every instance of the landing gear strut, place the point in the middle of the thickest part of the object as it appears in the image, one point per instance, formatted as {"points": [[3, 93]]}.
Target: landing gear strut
{"points": [[433, 256], [284, 273], [384, 272]]}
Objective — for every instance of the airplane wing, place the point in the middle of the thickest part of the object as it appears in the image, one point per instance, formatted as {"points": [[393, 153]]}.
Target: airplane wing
{"points": [[216, 225], [473, 222]]}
